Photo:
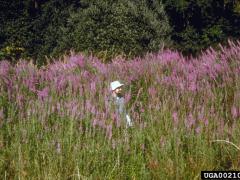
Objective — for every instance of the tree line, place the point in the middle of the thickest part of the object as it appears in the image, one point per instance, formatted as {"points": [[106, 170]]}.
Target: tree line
{"points": [[49, 28]]}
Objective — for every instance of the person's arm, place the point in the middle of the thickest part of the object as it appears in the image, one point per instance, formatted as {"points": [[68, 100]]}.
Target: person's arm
{"points": [[129, 121], [121, 106], [123, 112]]}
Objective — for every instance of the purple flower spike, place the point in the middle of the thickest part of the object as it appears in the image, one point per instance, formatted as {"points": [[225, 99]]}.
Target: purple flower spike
{"points": [[43, 94], [152, 91], [109, 131], [77, 60], [198, 130], [93, 87], [190, 121], [175, 119], [234, 112], [206, 122]]}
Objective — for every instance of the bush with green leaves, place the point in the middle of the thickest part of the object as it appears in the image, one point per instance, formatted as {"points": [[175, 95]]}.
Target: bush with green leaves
{"points": [[199, 24], [128, 27]]}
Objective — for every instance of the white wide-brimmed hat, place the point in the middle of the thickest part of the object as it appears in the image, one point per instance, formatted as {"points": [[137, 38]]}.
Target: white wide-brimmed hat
{"points": [[115, 84]]}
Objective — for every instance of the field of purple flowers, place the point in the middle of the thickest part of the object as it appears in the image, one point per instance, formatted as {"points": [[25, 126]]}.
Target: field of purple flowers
{"points": [[56, 122]]}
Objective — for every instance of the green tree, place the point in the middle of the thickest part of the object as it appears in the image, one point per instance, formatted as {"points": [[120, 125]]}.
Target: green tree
{"points": [[197, 24], [33, 25], [123, 26], [18, 26], [53, 18]]}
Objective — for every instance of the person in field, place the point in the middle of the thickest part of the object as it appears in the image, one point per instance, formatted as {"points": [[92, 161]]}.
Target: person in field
{"points": [[119, 102]]}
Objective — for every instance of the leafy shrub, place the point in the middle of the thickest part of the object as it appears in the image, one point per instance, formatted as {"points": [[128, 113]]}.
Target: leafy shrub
{"points": [[116, 27], [11, 52]]}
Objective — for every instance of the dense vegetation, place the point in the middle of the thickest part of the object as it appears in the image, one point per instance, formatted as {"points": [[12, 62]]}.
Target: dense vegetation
{"points": [[55, 118], [198, 24], [56, 122], [48, 28], [36, 29]]}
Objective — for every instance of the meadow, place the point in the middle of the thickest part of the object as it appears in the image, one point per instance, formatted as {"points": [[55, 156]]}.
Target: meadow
{"points": [[56, 122]]}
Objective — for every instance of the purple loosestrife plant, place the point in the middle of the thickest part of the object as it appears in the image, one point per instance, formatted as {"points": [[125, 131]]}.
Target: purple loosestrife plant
{"points": [[175, 119], [190, 121], [198, 130], [77, 60], [43, 94], [234, 112], [164, 74], [5, 68]]}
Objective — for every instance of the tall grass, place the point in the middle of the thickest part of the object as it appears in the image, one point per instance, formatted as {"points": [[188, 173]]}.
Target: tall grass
{"points": [[56, 122]]}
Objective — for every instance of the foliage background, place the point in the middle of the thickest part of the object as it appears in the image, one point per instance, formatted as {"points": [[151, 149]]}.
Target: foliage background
{"points": [[50, 28], [54, 119]]}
